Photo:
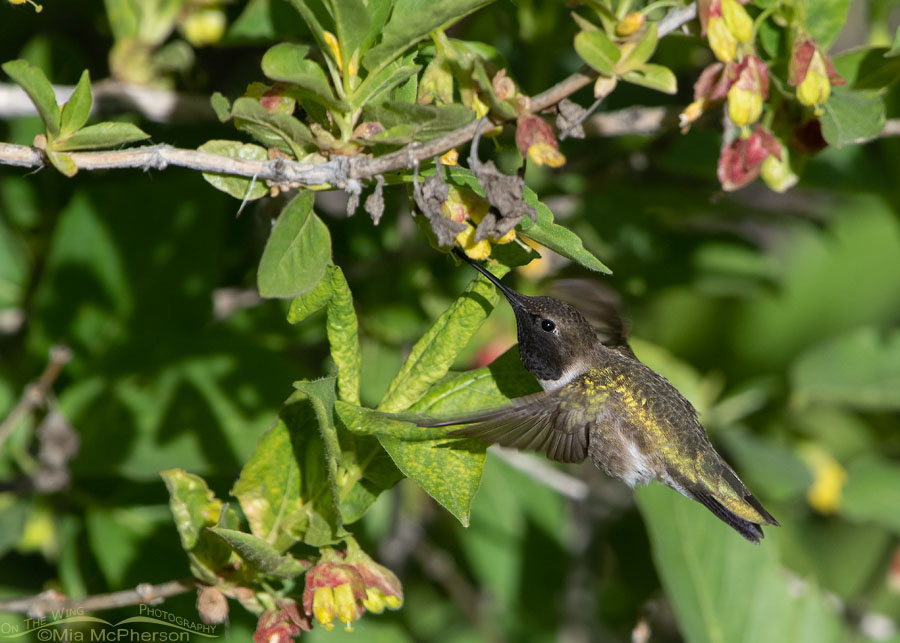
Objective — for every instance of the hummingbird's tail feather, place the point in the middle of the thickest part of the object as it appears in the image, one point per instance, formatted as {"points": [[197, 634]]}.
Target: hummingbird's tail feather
{"points": [[749, 530]]}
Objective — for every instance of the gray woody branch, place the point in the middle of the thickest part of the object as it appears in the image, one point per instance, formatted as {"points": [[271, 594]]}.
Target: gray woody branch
{"points": [[338, 172]]}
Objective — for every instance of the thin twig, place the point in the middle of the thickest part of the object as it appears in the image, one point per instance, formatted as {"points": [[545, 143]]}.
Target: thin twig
{"points": [[36, 392], [51, 601]]}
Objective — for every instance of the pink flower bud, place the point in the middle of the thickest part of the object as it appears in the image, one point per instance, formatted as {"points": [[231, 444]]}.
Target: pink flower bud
{"points": [[741, 160], [535, 138], [812, 73]]}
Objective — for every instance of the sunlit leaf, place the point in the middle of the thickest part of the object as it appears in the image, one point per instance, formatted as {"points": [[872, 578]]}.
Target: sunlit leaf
{"points": [[413, 20], [107, 134], [77, 109], [39, 90], [598, 51]]}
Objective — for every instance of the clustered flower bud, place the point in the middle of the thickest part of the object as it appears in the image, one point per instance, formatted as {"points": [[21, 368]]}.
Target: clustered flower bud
{"points": [[747, 94], [464, 206], [812, 73], [725, 24], [741, 160], [536, 140], [630, 24], [281, 625], [343, 585]]}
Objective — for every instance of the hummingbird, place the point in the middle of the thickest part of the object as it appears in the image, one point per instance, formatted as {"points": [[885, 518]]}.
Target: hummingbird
{"points": [[600, 402]]}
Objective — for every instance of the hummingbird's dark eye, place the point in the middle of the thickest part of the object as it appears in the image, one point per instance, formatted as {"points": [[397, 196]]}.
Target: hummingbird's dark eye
{"points": [[547, 325]]}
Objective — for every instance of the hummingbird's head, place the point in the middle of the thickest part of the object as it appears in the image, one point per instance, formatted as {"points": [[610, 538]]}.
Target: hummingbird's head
{"points": [[554, 338]]}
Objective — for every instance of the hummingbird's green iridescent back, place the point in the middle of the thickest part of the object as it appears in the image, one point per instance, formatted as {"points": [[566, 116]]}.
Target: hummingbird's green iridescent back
{"points": [[600, 402]]}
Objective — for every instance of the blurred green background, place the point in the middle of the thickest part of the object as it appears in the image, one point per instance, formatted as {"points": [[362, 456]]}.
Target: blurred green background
{"points": [[777, 315]]}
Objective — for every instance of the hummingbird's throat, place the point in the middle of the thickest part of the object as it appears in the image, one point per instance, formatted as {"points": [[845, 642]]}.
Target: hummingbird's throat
{"points": [[567, 375]]}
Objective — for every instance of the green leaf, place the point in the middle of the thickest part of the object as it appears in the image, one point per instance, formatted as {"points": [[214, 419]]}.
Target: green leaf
{"points": [[311, 301], [237, 186], [376, 87], [320, 394], [286, 62], [598, 51], [723, 589], [435, 352], [77, 109], [825, 19], [642, 51], [653, 77], [406, 122], [194, 506], [262, 555], [297, 252], [852, 117], [109, 134], [275, 130], [221, 106], [62, 162], [39, 90], [860, 369], [556, 237], [872, 491], [269, 488], [412, 21], [352, 26], [343, 337]]}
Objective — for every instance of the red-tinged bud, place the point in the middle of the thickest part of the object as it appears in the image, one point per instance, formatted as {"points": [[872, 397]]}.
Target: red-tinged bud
{"points": [[741, 160], [368, 129], [722, 42], [711, 87], [812, 73], [749, 91], [274, 98], [535, 138], [383, 588], [334, 590], [281, 625]]}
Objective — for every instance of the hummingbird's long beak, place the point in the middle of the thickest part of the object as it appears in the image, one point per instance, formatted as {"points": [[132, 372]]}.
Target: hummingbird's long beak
{"points": [[515, 299]]}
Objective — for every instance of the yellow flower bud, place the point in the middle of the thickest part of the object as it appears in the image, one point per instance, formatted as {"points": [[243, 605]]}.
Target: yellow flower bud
{"points": [[506, 238], [450, 157], [393, 602], [815, 88], [737, 20], [374, 601], [542, 153], [630, 24], [721, 40], [345, 602], [744, 106], [323, 607], [480, 250]]}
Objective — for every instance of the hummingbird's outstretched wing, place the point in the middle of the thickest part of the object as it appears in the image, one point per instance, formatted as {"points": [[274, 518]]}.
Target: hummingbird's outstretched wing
{"points": [[544, 422]]}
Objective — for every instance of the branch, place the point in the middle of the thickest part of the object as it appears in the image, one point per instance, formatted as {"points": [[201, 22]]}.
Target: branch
{"points": [[42, 604], [36, 392]]}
